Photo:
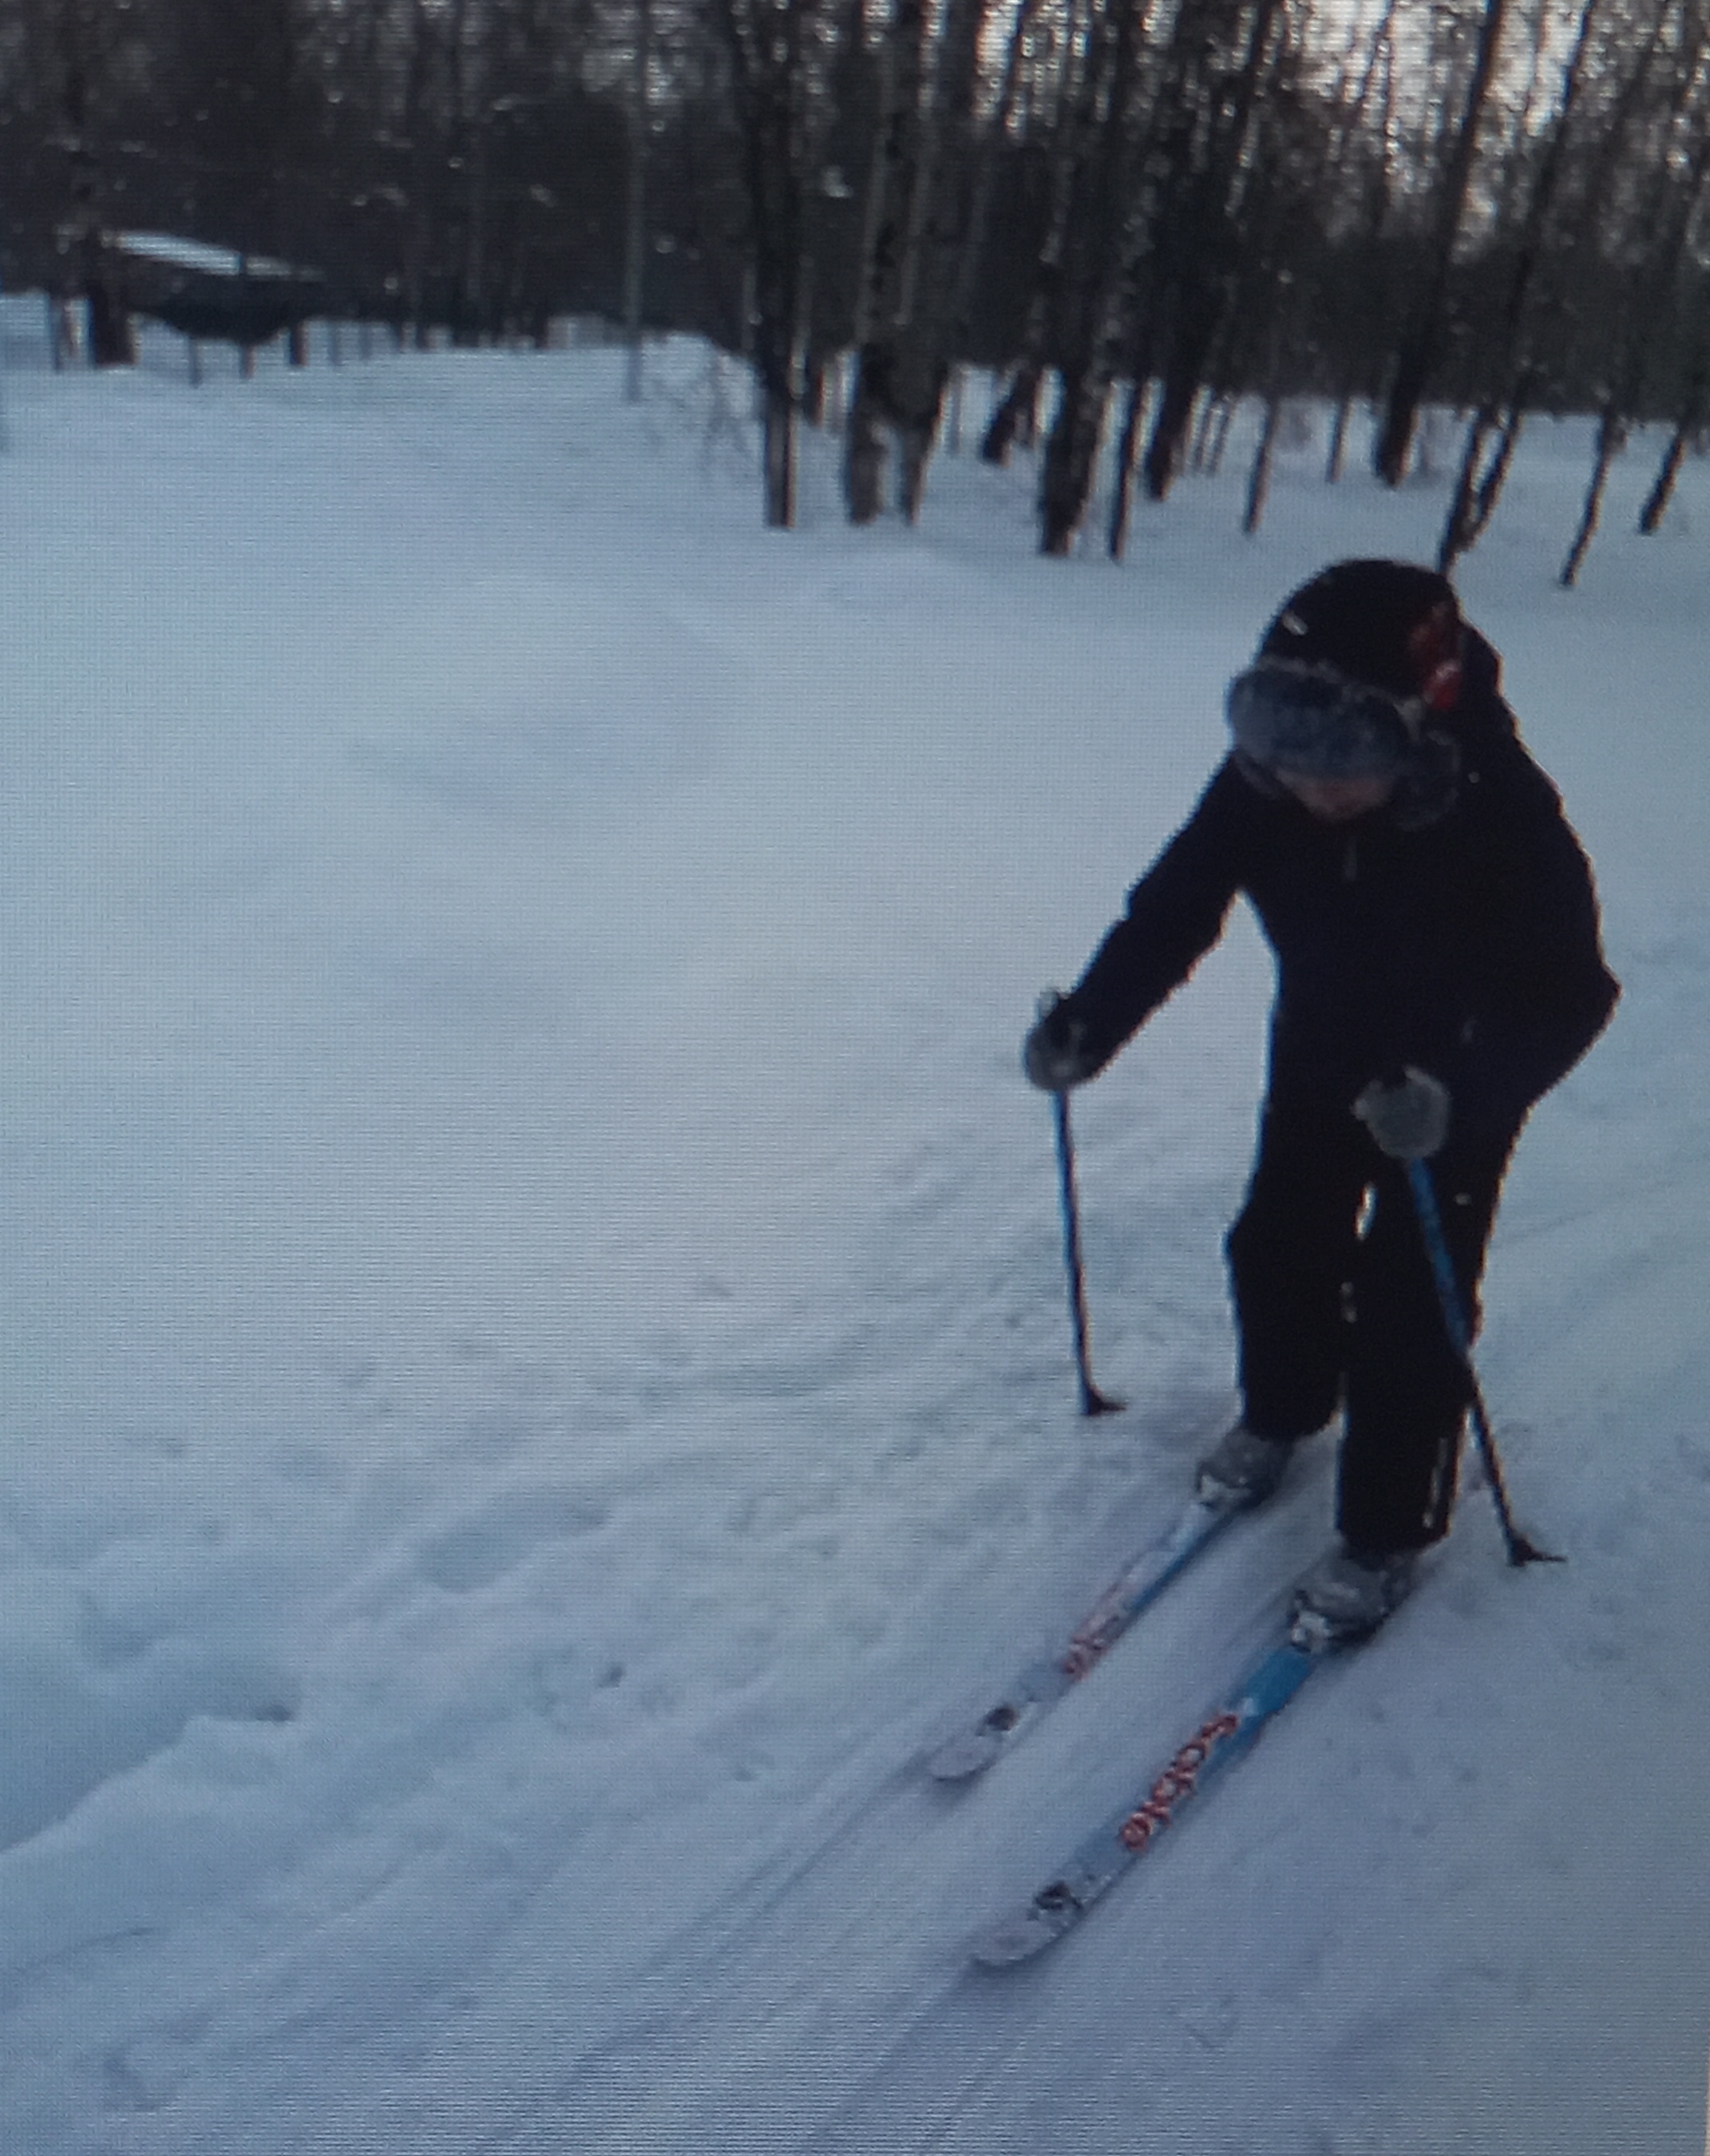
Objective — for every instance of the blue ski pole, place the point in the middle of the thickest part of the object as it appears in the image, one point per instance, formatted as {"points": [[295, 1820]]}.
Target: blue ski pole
{"points": [[1521, 1550]]}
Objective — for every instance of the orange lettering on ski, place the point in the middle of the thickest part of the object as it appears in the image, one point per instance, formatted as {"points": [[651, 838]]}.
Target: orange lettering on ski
{"points": [[1177, 1782]]}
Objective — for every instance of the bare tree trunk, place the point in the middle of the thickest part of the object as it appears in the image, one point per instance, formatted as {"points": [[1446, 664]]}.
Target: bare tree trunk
{"points": [[1480, 484], [111, 340], [864, 453], [895, 165], [1611, 440], [1171, 422], [1101, 305], [1377, 80], [635, 233], [834, 411], [1662, 490], [1186, 199], [916, 247], [1691, 419], [1337, 451], [958, 399], [477, 310], [61, 338], [1258, 487], [952, 205], [1199, 454], [1421, 342], [1695, 405], [985, 173], [1016, 416], [779, 456], [765, 41], [468, 118], [1475, 495], [112, 334], [1679, 183], [1122, 489], [417, 242], [1181, 385], [813, 387], [1226, 409], [914, 449], [1457, 531]]}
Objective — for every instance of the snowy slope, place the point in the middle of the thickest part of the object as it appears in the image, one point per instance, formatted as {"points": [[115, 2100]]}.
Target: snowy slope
{"points": [[538, 1372]]}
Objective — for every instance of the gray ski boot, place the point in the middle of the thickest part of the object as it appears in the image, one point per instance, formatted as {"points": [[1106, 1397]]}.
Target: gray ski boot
{"points": [[1348, 1594], [1242, 1470]]}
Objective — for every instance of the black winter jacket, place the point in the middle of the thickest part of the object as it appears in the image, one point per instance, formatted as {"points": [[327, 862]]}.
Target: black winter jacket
{"points": [[1456, 929]]}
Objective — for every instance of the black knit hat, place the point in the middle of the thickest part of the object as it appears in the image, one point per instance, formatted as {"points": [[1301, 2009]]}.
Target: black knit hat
{"points": [[1359, 617]]}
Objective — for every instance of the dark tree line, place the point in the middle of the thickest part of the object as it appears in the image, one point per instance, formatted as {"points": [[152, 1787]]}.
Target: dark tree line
{"points": [[1136, 212]]}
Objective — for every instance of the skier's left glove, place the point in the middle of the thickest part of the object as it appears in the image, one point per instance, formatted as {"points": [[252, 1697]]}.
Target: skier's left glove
{"points": [[1409, 1117], [1054, 1054]]}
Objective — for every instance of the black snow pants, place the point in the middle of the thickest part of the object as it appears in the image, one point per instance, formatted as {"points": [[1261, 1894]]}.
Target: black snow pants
{"points": [[1335, 1305]]}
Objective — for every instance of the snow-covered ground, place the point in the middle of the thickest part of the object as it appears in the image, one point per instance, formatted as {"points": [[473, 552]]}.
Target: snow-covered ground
{"points": [[536, 1368]]}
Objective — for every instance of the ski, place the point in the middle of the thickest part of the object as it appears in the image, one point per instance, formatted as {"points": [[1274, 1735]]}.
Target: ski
{"points": [[1041, 1684], [1102, 1859]]}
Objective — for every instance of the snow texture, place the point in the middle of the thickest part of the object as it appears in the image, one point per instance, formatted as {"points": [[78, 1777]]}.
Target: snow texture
{"points": [[538, 1375]]}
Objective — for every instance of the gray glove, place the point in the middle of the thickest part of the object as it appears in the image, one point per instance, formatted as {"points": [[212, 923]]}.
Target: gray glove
{"points": [[1408, 1120], [1054, 1054]]}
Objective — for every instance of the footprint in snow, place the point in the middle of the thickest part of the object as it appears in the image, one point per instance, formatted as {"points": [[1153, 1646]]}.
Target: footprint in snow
{"points": [[503, 1533]]}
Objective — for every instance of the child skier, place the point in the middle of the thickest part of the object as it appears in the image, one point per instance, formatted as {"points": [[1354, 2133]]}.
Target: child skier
{"points": [[1439, 969]]}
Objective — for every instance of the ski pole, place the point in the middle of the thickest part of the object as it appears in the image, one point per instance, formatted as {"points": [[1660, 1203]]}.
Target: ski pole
{"points": [[1521, 1549], [1092, 1401]]}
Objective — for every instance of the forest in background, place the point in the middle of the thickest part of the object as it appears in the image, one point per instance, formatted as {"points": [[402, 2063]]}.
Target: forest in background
{"points": [[1138, 212]]}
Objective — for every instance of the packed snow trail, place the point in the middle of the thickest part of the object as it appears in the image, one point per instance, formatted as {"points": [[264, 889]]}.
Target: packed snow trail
{"points": [[537, 1379]]}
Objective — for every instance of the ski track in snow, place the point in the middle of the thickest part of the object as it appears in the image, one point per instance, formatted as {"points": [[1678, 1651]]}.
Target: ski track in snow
{"points": [[538, 1366]]}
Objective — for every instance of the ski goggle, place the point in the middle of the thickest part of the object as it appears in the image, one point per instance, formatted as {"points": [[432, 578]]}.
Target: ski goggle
{"points": [[1313, 722]]}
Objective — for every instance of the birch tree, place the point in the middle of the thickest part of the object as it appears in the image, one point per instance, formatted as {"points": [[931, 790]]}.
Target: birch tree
{"points": [[1494, 431], [1070, 112], [776, 52], [1666, 209], [921, 208], [1422, 336], [1201, 242], [81, 43], [635, 231]]}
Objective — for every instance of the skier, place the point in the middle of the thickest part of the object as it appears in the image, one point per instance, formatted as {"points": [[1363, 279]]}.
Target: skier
{"points": [[1439, 968]]}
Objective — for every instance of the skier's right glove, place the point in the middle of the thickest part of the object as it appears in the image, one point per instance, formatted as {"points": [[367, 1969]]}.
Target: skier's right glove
{"points": [[1409, 1117], [1054, 1054]]}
